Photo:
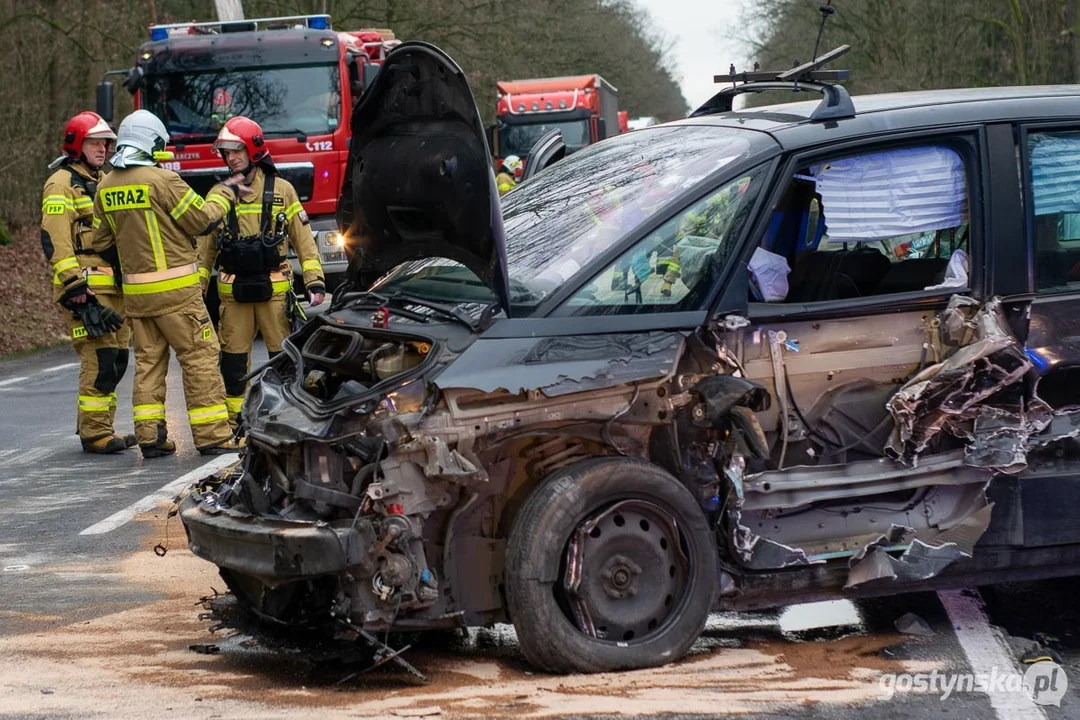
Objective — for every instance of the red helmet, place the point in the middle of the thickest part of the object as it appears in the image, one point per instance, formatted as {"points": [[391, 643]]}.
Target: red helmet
{"points": [[82, 126], [241, 132]]}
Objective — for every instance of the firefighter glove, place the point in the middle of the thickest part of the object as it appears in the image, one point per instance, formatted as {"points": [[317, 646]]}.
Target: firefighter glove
{"points": [[316, 293], [99, 319], [75, 295]]}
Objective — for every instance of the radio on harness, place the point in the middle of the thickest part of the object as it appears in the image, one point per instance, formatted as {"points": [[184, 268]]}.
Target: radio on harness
{"points": [[252, 258]]}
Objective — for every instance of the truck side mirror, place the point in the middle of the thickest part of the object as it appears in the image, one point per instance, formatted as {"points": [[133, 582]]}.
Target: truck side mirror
{"points": [[370, 70], [601, 129], [492, 137], [134, 79], [104, 100]]}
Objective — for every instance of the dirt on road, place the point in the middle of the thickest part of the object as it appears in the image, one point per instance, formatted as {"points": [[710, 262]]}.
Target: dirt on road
{"points": [[135, 661]]}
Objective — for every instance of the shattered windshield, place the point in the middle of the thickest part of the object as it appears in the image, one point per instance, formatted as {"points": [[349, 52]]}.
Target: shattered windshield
{"points": [[285, 101], [565, 217]]}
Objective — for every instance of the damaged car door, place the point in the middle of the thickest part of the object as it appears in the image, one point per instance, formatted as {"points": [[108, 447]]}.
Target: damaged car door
{"points": [[875, 345]]}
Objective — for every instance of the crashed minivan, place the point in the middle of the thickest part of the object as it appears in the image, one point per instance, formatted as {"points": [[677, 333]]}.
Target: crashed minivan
{"points": [[752, 358]]}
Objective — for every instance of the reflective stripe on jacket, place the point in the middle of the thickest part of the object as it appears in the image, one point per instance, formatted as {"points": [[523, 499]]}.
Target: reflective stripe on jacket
{"points": [[152, 216], [67, 213]]}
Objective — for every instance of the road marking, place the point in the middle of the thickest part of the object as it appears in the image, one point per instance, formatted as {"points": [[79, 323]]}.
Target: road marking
{"points": [[46, 371], [986, 651], [166, 492], [58, 368]]}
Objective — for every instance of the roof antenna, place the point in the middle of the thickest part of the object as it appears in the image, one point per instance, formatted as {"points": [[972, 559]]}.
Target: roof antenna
{"points": [[826, 10]]}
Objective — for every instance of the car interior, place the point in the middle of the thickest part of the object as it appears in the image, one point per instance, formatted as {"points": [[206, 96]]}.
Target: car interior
{"points": [[862, 239]]}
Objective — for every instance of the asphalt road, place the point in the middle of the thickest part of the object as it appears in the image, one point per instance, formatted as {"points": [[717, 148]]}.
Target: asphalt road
{"points": [[94, 624]]}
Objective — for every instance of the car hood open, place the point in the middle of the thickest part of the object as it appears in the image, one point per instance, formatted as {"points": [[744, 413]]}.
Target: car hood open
{"points": [[419, 181]]}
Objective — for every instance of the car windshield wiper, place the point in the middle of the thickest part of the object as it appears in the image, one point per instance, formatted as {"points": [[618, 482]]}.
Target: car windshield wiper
{"points": [[450, 313], [395, 302]]}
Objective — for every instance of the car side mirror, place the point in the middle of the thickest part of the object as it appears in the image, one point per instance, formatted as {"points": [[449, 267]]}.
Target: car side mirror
{"points": [[734, 300], [104, 101]]}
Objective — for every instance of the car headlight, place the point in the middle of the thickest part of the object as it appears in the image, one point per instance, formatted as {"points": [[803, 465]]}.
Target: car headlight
{"points": [[334, 239]]}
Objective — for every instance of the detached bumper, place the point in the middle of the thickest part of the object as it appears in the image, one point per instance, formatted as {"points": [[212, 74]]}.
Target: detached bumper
{"points": [[276, 551]]}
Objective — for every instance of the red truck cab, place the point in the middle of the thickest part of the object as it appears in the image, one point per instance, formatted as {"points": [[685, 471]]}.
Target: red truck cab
{"points": [[295, 76], [584, 108]]}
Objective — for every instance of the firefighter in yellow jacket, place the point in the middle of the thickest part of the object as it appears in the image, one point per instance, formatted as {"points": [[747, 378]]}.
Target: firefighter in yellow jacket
{"points": [[250, 253], [149, 219], [82, 278]]}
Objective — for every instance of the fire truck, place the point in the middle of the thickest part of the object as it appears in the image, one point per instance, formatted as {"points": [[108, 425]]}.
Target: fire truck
{"points": [[296, 76], [584, 108]]}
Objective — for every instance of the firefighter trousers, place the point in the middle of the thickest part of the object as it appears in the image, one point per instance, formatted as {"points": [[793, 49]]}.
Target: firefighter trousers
{"points": [[102, 364], [190, 334], [239, 323]]}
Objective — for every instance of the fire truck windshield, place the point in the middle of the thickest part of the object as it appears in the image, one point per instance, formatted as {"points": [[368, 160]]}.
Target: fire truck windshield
{"points": [[284, 100], [518, 139]]}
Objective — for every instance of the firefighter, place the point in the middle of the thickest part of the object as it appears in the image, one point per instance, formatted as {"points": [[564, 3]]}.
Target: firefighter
{"points": [[510, 170], [149, 218], [82, 278], [250, 252]]}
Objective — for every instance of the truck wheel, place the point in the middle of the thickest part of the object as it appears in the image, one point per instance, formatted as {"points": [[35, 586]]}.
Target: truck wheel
{"points": [[610, 565]]}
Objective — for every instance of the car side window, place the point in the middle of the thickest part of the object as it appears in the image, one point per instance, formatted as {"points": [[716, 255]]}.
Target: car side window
{"points": [[674, 267], [1054, 200], [878, 223]]}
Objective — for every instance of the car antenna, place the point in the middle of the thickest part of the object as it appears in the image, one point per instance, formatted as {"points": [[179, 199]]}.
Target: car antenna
{"points": [[826, 10], [835, 104]]}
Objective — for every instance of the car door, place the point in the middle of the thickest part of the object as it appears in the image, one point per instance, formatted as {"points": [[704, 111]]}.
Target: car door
{"points": [[547, 150], [1048, 491], [865, 247]]}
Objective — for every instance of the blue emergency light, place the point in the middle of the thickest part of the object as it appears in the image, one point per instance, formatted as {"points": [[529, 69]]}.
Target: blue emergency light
{"points": [[313, 22]]}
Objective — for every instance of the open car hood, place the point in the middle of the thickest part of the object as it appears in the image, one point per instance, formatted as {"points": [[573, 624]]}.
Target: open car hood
{"points": [[419, 181]]}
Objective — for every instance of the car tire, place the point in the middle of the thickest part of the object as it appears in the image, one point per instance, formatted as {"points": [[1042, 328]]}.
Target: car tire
{"points": [[647, 565]]}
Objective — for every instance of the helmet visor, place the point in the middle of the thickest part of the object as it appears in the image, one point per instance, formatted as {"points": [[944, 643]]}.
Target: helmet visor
{"points": [[220, 145]]}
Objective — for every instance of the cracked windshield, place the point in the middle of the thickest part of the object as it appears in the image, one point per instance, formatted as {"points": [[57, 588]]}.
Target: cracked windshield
{"points": [[574, 211]]}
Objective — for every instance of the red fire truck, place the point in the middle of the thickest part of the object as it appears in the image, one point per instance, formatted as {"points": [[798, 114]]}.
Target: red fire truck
{"points": [[295, 76], [585, 108]]}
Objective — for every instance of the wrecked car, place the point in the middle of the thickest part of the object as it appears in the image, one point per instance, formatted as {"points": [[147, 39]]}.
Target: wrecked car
{"points": [[748, 359]]}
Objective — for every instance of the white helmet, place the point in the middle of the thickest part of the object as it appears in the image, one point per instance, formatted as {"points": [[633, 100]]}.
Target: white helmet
{"points": [[143, 130], [514, 165]]}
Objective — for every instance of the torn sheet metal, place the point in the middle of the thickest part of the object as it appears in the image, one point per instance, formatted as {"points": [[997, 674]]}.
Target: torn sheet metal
{"points": [[957, 395], [755, 552], [760, 553], [922, 560], [919, 562], [563, 365]]}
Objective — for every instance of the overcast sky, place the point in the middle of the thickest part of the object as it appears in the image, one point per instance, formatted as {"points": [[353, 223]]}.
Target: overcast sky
{"points": [[699, 31]]}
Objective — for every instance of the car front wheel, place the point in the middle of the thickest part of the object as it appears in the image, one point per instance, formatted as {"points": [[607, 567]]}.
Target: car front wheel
{"points": [[610, 565]]}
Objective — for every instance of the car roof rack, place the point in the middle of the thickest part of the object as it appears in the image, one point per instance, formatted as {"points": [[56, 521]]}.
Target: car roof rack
{"points": [[835, 103]]}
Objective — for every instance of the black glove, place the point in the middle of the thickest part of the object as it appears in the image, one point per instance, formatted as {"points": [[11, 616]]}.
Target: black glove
{"points": [[74, 290], [99, 319]]}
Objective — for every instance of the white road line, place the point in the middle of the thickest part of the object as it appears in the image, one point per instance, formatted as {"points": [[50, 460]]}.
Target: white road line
{"points": [[46, 371], [58, 368], [986, 651], [164, 493]]}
